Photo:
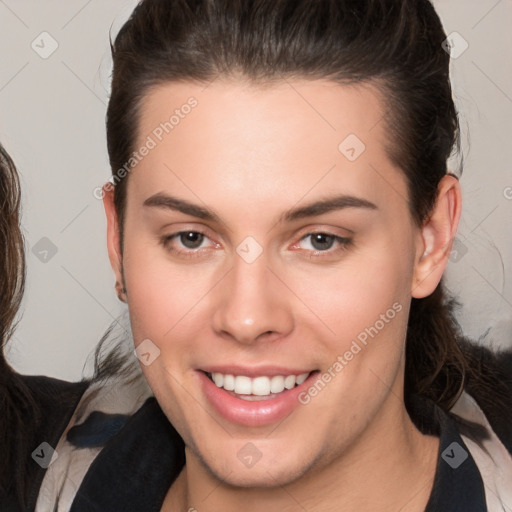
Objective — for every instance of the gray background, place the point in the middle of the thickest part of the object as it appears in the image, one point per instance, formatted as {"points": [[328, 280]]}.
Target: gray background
{"points": [[52, 114]]}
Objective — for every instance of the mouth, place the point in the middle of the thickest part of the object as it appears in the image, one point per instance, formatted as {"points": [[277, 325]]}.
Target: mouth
{"points": [[257, 388], [255, 401]]}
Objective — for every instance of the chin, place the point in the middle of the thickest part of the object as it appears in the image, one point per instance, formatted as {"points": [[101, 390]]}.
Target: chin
{"points": [[267, 472], [265, 477]]}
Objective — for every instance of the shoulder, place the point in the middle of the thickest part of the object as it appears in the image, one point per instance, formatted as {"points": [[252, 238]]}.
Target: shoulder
{"points": [[57, 400], [491, 386], [106, 406], [491, 456], [46, 389], [486, 404], [53, 402]]}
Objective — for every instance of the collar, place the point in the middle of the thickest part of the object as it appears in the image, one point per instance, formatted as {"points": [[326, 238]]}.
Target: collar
{"points": [[458, 484], [137, 466]]}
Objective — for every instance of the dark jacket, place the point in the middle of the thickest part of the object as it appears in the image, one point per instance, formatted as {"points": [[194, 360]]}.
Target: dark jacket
{"points": [[121, 474]]}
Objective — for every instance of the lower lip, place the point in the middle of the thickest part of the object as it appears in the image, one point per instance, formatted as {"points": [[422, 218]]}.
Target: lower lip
{"points": [[253, 413]]}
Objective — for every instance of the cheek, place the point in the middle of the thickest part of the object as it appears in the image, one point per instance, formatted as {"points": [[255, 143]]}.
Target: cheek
{"points": [[352, 296], [335, 302], [162, 296], [359, 326]]}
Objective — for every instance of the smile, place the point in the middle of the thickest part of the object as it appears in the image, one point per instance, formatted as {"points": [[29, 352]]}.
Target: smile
{"points": [[254, 401], [258, 388]]}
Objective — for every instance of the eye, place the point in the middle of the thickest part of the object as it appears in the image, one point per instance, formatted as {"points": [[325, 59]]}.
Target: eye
{"points": [[321, 242], [185, 243], [192, 243], [191, 239]]}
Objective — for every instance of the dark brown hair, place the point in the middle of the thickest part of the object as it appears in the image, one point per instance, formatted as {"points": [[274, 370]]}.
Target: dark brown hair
{"points": [[394, 45], [18, 410]]}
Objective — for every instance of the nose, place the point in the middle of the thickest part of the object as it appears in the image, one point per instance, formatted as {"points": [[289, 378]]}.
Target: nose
{"points": [[251, 304]]}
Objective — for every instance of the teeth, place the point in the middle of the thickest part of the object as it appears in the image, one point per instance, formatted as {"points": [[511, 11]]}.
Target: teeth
{"points": [[229, 383], [289, 382], [259, 386], [277, 384], [301, 378], [242, 385], [218, 378]]}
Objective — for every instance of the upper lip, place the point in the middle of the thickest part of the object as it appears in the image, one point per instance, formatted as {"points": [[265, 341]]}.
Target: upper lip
{"points": [[254, 371]]}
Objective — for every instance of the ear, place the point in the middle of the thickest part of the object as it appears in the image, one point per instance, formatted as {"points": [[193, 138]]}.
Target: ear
{"points": [[113, 238], [435, 239]]}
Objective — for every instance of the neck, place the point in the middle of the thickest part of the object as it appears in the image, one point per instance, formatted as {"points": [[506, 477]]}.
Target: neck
{"points": [[391, 466]]}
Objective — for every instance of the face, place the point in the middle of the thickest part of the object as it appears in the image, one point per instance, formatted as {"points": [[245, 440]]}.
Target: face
{"points": [[262, 239]]}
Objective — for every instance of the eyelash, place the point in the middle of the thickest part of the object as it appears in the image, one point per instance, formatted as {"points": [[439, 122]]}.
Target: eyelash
{"points": [[191, 253], [344, 244]]}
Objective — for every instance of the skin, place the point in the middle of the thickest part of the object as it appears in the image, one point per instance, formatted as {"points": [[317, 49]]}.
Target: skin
{"points": [[250, 154]]}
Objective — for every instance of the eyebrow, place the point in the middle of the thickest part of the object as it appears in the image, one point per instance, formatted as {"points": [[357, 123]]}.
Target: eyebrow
{"points": [[340, 202]]}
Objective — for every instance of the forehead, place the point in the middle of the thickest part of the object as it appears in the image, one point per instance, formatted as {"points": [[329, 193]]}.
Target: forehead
{"points": [[255, 141], [316, 109]]}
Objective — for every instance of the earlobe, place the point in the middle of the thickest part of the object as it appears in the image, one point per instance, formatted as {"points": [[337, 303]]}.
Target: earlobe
{"points": [[113, 239], [436, 238]]}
